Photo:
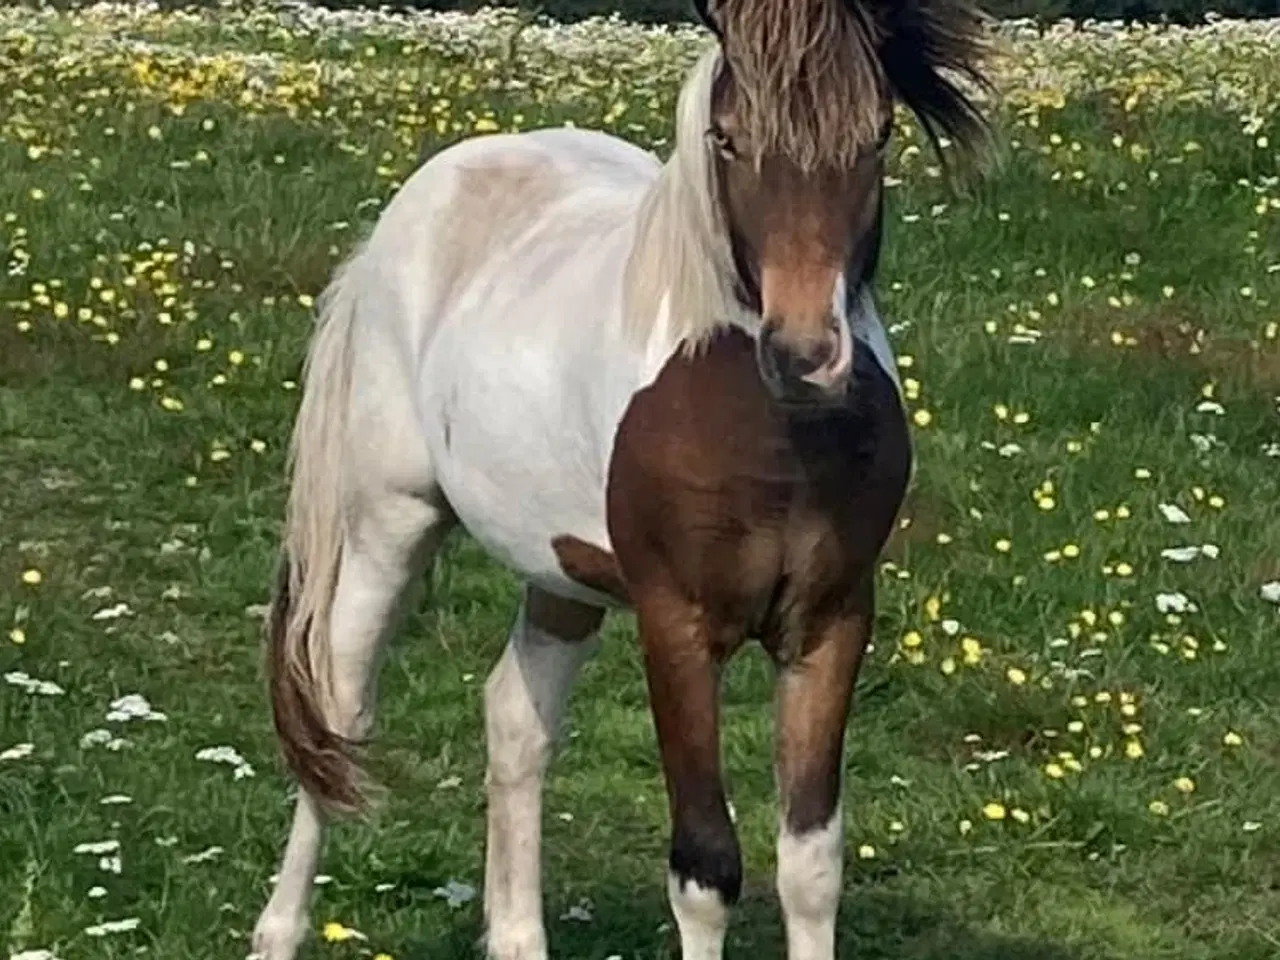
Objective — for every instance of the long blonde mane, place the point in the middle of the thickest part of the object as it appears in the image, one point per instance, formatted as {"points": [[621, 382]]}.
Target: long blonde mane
{"points": [[681, 256]]}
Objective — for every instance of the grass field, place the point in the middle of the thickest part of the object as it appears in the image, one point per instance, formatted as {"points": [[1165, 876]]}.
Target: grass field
{"points": [[1065, 742]]}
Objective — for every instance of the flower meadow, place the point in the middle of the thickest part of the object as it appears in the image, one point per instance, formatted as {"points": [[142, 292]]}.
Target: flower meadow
{"points": [[1065, 738]]}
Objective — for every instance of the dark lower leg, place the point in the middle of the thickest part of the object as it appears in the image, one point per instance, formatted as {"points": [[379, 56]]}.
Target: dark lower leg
{"points": [[705, 876]]}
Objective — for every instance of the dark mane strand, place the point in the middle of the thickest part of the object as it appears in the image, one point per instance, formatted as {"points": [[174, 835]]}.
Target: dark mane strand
{"points": [[924, 41]]}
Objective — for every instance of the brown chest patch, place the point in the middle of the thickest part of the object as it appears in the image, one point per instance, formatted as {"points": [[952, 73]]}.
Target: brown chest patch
{"points": [[765, 518]]}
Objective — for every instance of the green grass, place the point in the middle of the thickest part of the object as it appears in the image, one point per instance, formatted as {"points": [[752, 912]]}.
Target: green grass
{"points": [[117, 497]]}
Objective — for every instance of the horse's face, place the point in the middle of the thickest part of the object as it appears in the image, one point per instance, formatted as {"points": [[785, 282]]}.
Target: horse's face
{"points": [[800, 237]]}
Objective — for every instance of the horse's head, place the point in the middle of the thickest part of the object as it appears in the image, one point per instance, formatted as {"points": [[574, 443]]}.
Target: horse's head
{"points": [[801, 115]]}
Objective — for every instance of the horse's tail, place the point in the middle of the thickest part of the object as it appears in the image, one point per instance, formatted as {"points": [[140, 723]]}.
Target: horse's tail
{"points": [[299, 658]]}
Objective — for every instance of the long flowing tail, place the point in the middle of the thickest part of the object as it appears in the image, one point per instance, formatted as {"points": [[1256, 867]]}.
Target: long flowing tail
{"points": [[299, 663]]}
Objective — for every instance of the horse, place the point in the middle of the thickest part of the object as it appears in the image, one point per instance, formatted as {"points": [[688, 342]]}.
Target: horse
{"points": [[644, 386]]}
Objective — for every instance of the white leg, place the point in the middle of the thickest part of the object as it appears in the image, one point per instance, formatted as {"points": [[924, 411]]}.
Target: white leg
{"points": [[809, 874], [701, 917], [389, 550], [525, 700]]}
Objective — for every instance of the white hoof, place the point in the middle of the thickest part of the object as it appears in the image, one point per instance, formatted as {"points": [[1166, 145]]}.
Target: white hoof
{"points": [[521, 943], [277, 937]]}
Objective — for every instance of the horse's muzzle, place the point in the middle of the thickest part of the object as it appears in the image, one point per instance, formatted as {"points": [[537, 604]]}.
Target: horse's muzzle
{"points": [[815, 371]]}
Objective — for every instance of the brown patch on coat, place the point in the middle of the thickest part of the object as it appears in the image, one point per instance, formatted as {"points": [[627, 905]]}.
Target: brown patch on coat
{"points": [[731, 517], [494, 203], [767, 517], [593, 567]]}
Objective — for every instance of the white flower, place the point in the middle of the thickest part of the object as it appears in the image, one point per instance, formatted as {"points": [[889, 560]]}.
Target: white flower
{"points": [[98, 846], [455, 894], [132, 706], [229, 756], [113, 926], [19, 751]]}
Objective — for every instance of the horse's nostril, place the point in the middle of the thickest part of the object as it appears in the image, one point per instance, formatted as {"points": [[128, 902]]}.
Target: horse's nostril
{"points": [[792, 361], [822, 353]]}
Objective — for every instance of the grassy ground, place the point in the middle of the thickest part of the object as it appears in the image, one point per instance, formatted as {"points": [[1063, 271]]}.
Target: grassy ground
{"points": [[1065, 742]]}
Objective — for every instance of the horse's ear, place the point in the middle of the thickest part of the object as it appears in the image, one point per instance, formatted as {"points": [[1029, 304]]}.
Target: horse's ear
{"points": [[702, 9]]}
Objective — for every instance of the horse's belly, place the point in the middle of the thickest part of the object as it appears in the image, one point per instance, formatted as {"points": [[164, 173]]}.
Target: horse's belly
{"points": [[520, 462]]}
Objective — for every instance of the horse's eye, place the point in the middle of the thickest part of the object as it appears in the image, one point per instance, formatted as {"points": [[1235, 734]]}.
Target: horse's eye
{"points": [[721, 143]]}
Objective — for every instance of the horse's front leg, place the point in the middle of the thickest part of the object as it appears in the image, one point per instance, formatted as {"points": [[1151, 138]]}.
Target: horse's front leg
{"points": [[682, 651], [814, 695]]}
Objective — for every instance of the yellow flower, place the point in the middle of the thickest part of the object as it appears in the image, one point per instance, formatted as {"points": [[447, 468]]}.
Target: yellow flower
{"points": [[994, 811], [1054, 771], [1133, 749], [1159, 808], [18, 635], [1016, 677], [933, 608], [867, 852], [912, 638], [1232, 739], [922, 418], [1003, 545], [1184, 785], [335, 932], [32, 577]]}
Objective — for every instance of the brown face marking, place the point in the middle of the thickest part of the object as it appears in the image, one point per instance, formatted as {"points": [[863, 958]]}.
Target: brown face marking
{"points": [[494, 201], [794, 228]]}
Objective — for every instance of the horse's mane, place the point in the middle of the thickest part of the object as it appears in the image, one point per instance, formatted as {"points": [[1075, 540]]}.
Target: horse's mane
{"points": [[681, 250], [810, 78]]}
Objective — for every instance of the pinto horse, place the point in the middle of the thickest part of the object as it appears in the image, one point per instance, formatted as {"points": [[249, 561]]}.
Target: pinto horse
{"points": [[661, 387]]}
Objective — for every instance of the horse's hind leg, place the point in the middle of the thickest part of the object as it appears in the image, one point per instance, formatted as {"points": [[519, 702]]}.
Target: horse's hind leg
{"points": [[525, 700], [392, 538]]}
